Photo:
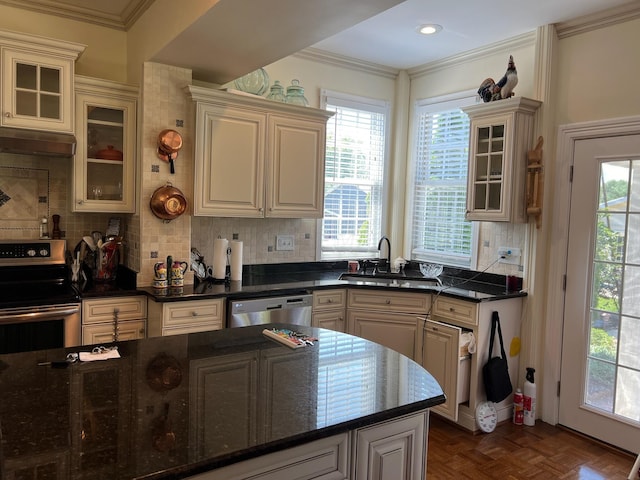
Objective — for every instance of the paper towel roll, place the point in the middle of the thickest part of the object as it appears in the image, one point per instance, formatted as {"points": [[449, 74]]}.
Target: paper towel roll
{"points": [[220, 246], [236, 260]]}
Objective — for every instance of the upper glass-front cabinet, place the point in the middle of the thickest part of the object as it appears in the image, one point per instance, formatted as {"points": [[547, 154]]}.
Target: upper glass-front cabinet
{"points": [[104, 173], [37, 82], [500, 137]]}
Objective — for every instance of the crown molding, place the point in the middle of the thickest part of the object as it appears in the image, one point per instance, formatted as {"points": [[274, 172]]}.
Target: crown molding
{"points": [[609, 17], [322, 56], [524, 40], [131, 13]]}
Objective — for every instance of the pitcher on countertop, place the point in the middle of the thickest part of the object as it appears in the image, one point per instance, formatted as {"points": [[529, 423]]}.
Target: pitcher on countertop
{"points": [[178, 270]]}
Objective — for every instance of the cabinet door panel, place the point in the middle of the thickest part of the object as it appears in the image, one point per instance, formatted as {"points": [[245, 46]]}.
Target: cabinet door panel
{"points": [[229, 178], [392, 451], [296, 169], [333, 320], [441, 359], [104, 164], [398, 332]]}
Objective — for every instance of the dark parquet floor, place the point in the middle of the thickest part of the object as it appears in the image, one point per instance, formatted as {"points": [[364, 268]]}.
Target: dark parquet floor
{"points": [[514, 452]]}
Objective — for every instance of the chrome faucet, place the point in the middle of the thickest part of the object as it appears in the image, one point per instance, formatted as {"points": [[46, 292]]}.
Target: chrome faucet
{"points": [[388, 251]]}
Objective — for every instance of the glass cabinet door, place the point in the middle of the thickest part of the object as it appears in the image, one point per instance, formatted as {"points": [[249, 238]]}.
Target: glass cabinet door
{"points": [[105, 160], [489, 162], [37, 91], [104, 165]]}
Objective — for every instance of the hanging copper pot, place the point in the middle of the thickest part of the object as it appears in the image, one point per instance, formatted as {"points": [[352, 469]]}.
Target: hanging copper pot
{"points": [[169, 143], [168, 202]]}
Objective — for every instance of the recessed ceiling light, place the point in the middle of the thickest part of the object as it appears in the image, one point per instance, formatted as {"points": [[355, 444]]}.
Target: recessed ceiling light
{"points": [[429, 29]]}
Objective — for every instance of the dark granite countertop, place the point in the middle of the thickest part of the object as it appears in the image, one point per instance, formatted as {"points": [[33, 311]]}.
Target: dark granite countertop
{"points": [[286, 279], [175, 406]]}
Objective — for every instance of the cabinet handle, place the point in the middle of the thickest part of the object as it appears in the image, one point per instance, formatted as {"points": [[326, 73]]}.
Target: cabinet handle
{"points": [[388, 302]]}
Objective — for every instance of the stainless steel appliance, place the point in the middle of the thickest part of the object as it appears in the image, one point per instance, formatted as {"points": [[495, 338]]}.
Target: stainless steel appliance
{"points": [[39, 306], [293, 309]]}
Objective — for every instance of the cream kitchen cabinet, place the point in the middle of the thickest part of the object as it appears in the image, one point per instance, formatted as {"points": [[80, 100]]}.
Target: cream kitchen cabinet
{"points": [[393, 450], [107, 320], [500, 137], [329, 309], [450, 317], [257, 158], [441, 357], [188, 316], [105, 161], [37, 82], [388, 318]]}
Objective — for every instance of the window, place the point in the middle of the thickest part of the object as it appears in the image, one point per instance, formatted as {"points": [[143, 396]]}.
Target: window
{"points": [[354, 172], [438, 230]]}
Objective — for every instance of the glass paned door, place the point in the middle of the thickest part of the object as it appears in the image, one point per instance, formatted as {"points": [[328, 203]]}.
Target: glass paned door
{"points": [[600, 373], [613, 373]]}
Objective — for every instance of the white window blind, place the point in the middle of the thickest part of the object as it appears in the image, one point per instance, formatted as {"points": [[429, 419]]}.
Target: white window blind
{"points": [[439, 232], [354, 173]]}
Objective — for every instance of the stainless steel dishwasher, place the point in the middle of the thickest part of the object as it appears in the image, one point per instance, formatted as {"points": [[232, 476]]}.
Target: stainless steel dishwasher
{"points": [[293, 309]]}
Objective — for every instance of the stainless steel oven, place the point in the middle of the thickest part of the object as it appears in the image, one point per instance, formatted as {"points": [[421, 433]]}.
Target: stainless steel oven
{"points": [[39, 306]]}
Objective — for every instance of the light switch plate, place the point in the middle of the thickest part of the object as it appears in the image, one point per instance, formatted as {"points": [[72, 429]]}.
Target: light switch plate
{"points": [[284, 242]]}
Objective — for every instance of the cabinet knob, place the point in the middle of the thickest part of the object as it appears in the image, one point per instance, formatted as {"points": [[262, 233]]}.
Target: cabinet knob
{"points": [[141, 331], [7, 114], [194, 314], [80, 202], [451, 309], [329, 301], [388, 302]]}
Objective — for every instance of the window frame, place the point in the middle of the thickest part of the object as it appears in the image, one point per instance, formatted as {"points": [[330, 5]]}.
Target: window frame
{"points": [[433, 105], [383, 107]]}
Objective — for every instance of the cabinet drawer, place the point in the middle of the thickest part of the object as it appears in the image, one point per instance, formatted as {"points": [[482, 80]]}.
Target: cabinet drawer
{"points": [[389, 301], [329, 299], [193, 312], [105, 309], [458, 310]]}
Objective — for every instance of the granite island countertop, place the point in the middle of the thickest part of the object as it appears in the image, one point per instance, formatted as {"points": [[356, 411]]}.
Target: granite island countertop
{"points": [[171, 407]]}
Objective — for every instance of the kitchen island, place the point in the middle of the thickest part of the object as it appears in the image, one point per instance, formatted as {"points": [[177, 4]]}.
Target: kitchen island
{"points": [[224, 404]]}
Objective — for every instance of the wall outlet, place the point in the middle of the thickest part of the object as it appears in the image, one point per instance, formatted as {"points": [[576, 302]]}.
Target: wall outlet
{"points": [[284, 242], [509, 255]]}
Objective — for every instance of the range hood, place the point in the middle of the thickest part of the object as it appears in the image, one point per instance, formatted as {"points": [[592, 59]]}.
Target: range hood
{"points": [[32, 142]]}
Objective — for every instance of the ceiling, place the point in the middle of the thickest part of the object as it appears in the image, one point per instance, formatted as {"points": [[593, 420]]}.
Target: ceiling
{"points": [[387, 39]]}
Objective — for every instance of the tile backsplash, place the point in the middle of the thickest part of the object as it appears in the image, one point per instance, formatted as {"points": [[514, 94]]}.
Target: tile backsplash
{"points": [[47, 184]]}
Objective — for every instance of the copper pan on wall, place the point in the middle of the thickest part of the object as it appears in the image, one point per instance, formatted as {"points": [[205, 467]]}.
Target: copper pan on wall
{"points": [[168, 202], [169, 143]]}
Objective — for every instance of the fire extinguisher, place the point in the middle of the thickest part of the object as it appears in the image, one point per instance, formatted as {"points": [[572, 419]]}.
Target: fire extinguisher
{"points": [[518, 407], [530, 398]]}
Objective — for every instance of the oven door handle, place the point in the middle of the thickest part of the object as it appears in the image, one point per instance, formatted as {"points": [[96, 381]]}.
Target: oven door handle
{"points": [[38, 314]]}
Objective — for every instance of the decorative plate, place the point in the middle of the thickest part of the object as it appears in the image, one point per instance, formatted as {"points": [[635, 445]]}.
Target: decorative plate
{"points": [[256, 82], [487, 416]]}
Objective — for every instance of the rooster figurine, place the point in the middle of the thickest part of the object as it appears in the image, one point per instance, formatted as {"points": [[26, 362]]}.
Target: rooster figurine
{"points": [[490, 91]]}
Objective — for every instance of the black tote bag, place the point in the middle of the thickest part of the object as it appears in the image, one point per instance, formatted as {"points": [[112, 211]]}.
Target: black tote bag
{"points": [[497, 383]]}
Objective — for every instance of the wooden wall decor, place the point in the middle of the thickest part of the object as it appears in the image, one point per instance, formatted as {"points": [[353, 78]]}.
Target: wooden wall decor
{"points": [[535, 182]]}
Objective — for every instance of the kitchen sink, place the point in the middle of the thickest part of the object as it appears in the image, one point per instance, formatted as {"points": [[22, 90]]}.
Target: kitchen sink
{"points": [[391, 279]]}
